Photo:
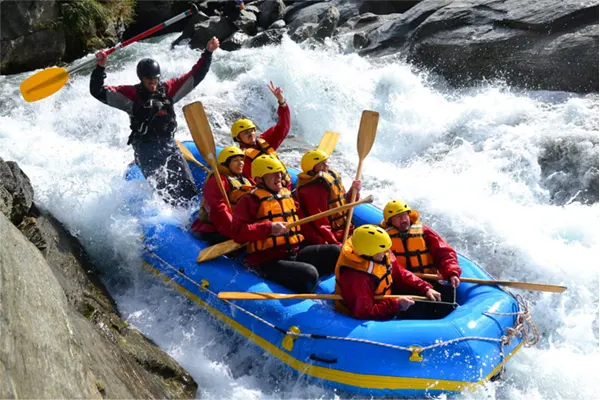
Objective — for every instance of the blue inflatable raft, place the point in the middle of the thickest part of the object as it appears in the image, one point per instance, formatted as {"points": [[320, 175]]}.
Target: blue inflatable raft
{"points": [[408, 358]]}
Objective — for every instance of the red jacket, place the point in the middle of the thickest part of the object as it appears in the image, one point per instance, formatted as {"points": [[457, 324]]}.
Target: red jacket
{"points": [[313, 199], [444, 256], [245, 229], [219, 214], [274, 136], [358, 291], [123, 97]]}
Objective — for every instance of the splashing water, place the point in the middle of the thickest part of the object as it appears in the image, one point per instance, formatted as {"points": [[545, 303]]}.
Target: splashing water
{"points": [[509, 178]]}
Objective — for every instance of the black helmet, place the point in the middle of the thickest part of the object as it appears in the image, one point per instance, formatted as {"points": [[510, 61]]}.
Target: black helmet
{"points": [[148, 68]]}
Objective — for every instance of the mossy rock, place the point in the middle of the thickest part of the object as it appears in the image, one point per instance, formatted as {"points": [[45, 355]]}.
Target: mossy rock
{"points": [[96, 43], [87, 22]]}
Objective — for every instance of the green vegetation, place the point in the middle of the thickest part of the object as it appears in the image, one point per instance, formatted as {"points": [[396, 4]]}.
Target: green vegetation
{"points": [[123, 9], [87, 23], [79, 17]]}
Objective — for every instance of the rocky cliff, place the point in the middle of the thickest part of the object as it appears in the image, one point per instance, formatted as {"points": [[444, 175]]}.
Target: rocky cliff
{"points": [[60, 333]]}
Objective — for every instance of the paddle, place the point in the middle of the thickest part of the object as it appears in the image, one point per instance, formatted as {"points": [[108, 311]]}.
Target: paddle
{"points": [[204, 139], [187, 154], [328, 142], [541, 287], [226, 247], [366, 137], [301, 296], [49, 81]]}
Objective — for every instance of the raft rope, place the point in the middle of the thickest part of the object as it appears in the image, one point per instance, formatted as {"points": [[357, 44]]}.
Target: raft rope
{"points": [[524, 327]]}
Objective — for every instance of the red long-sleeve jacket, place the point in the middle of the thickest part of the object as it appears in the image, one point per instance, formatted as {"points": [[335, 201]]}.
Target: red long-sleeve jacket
{"points": [[220, 216], [358, 291], [313, 199], [123, 97], [245, 229], [443, 254], [274, 136]]}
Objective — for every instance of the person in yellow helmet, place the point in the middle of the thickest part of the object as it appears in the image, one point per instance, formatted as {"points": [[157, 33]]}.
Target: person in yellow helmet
{"points": [[277, 251], [319, 189], [418, 247], [214, 217], [367, 268], [243, 131]]}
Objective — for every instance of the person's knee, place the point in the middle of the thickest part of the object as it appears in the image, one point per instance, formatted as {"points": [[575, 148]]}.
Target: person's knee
{"points": [[307, 278], [332, 252]]}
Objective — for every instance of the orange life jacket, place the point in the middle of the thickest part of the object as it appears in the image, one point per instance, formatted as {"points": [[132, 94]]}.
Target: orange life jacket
{"points": [[411, 249], [337, 194], [380, 273], [239, 186], [265, 148], [278, 207]]}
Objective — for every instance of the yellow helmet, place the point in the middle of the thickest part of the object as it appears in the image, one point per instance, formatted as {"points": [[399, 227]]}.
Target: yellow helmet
{"points": [[264, 165], [312, 158], [393, 208], [227, 153], [241, 125], [369, 240]]}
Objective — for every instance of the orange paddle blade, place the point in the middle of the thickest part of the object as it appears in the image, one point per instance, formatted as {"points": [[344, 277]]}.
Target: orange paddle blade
{"points": [[44, 83], [197, 121], [328, 142], [187, 154]]}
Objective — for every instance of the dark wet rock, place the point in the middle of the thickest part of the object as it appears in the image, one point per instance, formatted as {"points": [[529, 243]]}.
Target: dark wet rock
{"points": [[32, 35], [151, 13], [247, 23], [37, 34], [327, 24], [235, 41], [220, 27], [277, 24], [547, 44], [304, 32], [312, 13], [252, 8], [16, 193], [272, 36], [189, 29], [386, 7], [271, 11]]}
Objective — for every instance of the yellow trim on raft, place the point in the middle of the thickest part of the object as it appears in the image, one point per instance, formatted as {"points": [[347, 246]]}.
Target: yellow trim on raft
{"points": [[343, 377]]}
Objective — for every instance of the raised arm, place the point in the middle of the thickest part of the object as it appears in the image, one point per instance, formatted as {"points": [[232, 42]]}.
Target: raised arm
{"points": [[276, 134], [120, 97], [177, 88]]}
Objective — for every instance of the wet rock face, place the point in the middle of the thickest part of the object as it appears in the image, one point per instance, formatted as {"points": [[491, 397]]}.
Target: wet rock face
{"points": [[270, 11], [39, 34], [548, 44], [16, 193], [61, 334], [545, 44], [32, 35], [151, 13]]}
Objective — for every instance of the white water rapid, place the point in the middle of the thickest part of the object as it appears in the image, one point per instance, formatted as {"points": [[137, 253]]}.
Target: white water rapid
{"points": [[471, 161]]}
